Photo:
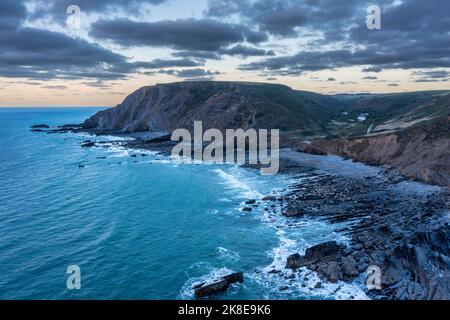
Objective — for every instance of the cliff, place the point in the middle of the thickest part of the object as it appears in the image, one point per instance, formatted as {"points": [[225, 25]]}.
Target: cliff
{"points": [[407, 131], [219, 105]]}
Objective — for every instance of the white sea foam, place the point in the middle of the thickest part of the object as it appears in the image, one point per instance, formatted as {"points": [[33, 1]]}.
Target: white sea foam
{"points": [[234, 183], [227, 254], [300, 284], [212, 275]]}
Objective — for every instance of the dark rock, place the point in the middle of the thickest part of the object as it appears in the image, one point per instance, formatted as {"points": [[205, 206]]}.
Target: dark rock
{"points": [[80, 166], [293, 212], [349, 266], [294, 261], [88, 145], [283, 288], [163, 138], [318, 285], [247, 209], [250, 202], [274, 271], [332, 271], [198, 286], [269, 198], [325, 251], [40, 126], [219, 286]]}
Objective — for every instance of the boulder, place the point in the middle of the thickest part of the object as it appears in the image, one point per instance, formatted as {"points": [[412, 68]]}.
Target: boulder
{"points": [[349, 266], [206, 290], [250, 202], [293, 212], [88, 144], [324, 251]]}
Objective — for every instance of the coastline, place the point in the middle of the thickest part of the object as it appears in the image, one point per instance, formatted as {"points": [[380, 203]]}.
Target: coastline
{"points": [[392, 222]]}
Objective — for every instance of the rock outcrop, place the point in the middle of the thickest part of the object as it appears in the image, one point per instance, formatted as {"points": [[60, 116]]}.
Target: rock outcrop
{"points": [[206, 290]]}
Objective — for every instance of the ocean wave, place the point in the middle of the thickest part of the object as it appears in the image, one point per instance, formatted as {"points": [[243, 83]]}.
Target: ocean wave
{"points": [[227, 254], [238, 184]]}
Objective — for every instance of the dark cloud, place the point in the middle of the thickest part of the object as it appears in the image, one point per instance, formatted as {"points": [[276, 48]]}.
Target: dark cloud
{"points": [[185, 34], [414, 35], [431, 76], [282, 21], [411, 36], [246, 51], [372, 69], [12, 12], [435, 74], [197, 54], [98, 84], [427, 80], [167, 63], [56, 9], [191, 73], [42, 54], [282, 17]]}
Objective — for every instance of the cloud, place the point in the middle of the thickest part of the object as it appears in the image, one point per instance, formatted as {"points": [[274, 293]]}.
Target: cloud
{"points": [[411, 36], [197, 54], [167, 63], [435, 74], [372, 69], [282, 17], [98, 84], [42, 54], [57, 87], [426, 80], [56, 9], [370, 78], [182, 34], [190, 73], [246, 51]]}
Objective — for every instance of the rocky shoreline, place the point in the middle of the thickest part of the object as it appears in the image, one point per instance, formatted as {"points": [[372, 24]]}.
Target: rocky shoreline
{"points": [[405, 233]]}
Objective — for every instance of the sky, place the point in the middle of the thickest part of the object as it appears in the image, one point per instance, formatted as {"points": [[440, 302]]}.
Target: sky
{"points": [[98, 52]]}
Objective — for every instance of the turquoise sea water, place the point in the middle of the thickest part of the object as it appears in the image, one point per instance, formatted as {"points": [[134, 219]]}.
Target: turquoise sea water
{"points": [[139, 228]]}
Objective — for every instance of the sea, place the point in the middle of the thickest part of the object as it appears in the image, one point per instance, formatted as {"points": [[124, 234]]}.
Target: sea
{"points": [[139, 226]]}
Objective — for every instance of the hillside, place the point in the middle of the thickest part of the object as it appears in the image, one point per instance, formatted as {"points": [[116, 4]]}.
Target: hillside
{"points": [[408, 131], [219, 105]]}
